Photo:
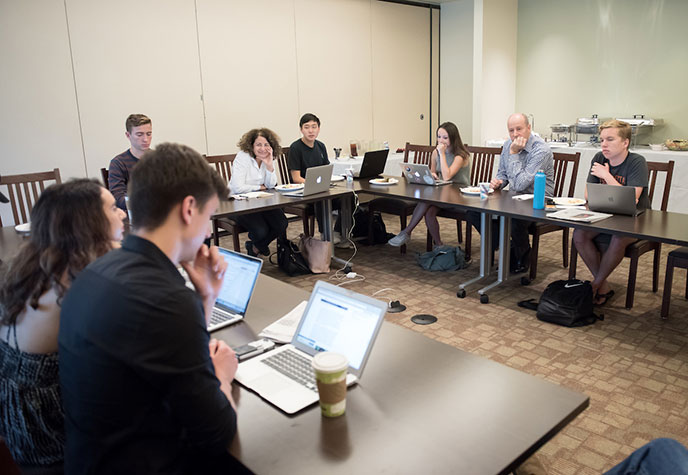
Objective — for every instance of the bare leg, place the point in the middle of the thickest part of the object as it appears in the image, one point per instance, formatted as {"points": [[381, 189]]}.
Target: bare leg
{"points": [[610, 259], [587, 250], [418, 214], [432, 224]]}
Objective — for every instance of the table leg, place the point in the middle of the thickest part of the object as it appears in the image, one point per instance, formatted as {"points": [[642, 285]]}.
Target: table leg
{"points": [[504, 251], [485, 251], [328, 226]]}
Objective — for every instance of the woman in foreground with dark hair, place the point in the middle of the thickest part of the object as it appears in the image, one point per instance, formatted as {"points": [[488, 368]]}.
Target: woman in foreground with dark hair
{"points": [[254, 170], [450, 161], [72, 224]]}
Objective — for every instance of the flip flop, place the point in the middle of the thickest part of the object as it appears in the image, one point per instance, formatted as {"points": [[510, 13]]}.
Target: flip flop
{"points": [[605, 298]]}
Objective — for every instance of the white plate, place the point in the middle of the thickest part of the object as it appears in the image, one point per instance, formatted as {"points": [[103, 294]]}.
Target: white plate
{"points": [[23, 228], [473, 190], [570, 206], [383, 181], [565, 201], [336, 178], [290, 187]]}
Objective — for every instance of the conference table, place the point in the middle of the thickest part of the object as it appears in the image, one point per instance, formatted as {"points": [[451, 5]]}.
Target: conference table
{"points": [[421, 407], [654, 225]]}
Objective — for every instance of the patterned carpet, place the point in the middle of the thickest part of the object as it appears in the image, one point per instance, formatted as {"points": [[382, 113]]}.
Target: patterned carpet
{"points": [[633, 365]]}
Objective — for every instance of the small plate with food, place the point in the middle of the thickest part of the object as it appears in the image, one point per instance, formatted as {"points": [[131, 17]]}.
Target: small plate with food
{"points": [[289, 187], [473, 190], [566, 201], [383, 181]]}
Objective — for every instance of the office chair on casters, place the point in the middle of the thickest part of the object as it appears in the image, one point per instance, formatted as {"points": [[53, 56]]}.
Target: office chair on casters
{"points": [[641, 246]]}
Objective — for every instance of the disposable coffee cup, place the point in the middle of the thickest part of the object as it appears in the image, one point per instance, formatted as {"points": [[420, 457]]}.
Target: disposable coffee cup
{"points": [[330, 376], [484, 190]]}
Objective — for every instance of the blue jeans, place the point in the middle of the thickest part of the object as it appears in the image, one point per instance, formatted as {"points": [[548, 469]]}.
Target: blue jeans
{"points": [[659, 457]]}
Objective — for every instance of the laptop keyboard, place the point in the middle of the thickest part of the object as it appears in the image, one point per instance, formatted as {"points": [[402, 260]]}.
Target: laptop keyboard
{"points": [[218, 318], [294, 366]]}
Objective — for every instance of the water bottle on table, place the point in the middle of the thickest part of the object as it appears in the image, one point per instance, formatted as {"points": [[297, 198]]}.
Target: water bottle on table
{"points": [[539, 190]]}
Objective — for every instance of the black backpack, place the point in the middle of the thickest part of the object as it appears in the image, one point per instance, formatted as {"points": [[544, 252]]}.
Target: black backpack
{"points": [[289, 258], [567, 303], [362, 219]]}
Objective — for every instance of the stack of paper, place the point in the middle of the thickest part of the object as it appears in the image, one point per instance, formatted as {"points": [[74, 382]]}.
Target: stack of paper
{"points": [[283, 329], [582, 215]]}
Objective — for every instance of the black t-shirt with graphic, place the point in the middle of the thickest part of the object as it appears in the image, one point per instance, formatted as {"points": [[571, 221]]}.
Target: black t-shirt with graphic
{"points": [[631, 172]]}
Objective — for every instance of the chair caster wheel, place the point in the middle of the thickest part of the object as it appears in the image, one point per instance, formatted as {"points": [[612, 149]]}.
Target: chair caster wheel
{"points": [[525, 281], [484, 298], [461, 293]]}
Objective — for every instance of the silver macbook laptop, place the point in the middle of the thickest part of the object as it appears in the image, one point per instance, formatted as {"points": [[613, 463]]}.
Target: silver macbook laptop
{"points": [[373, 164], [612, 199], [420, 174], [335, 319], [317, 181], [237, 288]]}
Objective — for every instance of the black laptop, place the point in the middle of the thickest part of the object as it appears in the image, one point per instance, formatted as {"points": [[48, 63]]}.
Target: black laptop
{"points": [[373, 164]]}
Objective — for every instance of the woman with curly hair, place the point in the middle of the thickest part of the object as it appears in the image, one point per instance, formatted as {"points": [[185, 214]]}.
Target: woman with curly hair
{"points": [[254, 170], [72, 224]]}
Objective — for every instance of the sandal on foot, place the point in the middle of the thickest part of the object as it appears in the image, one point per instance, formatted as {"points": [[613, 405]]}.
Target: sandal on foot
{"points": [[602, 299]]}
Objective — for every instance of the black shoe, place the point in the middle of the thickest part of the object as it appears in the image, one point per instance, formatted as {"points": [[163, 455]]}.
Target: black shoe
{"points": [[249, 249], [264, 250]]}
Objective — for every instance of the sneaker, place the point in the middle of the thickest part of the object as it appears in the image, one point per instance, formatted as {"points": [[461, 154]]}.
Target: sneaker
{"points": [[336, 238], [399, 240]]}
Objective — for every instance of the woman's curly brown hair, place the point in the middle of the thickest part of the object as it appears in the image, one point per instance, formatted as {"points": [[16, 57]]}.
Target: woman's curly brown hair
{"points": [[248, 139], [69, 229]]}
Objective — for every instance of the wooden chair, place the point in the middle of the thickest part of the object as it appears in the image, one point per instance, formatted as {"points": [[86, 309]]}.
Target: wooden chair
{"points": [[301, 211], [642, 246], [225, 226], [401, 208], [105, 175], [563, 164], [23, 192], [676, 258]]}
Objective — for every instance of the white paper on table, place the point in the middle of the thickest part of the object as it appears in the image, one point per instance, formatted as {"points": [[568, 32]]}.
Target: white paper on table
{"points": [[523, 197], [282, 331]]}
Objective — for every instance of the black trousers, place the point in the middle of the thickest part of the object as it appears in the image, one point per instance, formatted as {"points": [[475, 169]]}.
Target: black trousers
{"points": [[520, 242], [317, 209], [263, 227]]}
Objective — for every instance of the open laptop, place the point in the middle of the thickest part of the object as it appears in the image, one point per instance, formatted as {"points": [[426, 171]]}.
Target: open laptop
{"points": [[335, 319], [317, 181], [240, 280], [373, 164], [420, 174], [612, 199]]}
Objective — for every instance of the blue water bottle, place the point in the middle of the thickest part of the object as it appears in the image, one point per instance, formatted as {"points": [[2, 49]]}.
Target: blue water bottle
{"points": [[539, 192]]}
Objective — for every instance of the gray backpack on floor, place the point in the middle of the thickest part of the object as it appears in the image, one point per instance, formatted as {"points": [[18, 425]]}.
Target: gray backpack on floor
{"points": [[443, 258]]}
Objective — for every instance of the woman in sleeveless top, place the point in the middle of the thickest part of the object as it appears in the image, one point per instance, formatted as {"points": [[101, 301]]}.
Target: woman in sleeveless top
{"points": [[71, 225], [450, 161]]}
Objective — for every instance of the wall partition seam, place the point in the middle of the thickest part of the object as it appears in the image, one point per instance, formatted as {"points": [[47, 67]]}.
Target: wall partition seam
{"points": [[372, 73], [439, 65], [200, 75], [296, 57], [76, 92], [430, 91]]}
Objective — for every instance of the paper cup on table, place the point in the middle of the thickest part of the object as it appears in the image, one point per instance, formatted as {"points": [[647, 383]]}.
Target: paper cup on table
{"points": [[484, 189], [330, 375]]}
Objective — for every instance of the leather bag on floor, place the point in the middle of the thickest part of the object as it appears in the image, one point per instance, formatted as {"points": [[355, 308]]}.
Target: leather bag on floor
{"points": [[317, 254]]}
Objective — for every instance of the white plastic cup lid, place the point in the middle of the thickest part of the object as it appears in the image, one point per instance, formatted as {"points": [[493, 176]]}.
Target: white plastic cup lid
{"points": [[329, 362]]}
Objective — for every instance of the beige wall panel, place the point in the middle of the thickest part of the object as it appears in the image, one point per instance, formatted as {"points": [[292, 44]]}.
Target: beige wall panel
{"points": [[248, 60], [334, 68], [435, 101], [456, 72], [614, 59], [135, 57], [401, 73]]}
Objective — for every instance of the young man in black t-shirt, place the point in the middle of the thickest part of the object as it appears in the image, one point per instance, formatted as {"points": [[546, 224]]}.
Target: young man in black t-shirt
{"points": [[307, 151], [616, 166]]}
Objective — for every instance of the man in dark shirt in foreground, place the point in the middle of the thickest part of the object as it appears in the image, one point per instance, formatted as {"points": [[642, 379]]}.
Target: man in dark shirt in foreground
{"points": [[139, 131], [145, 389]]}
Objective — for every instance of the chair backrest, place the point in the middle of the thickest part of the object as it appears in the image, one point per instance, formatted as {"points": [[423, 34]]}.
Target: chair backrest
{"points": [[654, 168], [284, 175], [483, 163], [223, 164], [105, 174], [561, 165], [23, 192], [421, 153]]}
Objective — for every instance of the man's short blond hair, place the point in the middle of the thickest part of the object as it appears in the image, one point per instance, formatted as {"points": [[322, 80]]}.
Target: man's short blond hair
{"points": [[624, 128]]}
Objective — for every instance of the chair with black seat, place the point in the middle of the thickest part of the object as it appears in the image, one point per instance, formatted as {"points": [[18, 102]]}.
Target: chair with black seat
{"points": [[641, 246], [397, 207], [676, 258], [105, 175], [23, 192], [301, 211], [565, 169], [225, 226]]}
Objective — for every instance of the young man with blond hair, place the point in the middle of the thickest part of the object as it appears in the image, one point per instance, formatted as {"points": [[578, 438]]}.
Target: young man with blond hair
{"points": [[614, 166]]}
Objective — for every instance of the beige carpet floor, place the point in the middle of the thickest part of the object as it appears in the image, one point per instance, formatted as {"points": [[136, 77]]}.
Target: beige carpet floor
{"points": [[633, 365]]}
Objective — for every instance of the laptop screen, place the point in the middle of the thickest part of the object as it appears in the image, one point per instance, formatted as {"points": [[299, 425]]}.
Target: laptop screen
{"points": [[340, 321], [240, 279]]}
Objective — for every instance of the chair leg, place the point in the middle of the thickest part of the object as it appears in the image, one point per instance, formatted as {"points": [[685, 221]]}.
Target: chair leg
{"points": [[216, 233], [458, 231], [632, 276], [311, 225], [655, 268], [573, 261], [686, 296], [535, 247], [304, 220], [565, 247], [235, 239], [428, 241], [402, 221], [668, 281], [469, 234]]}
